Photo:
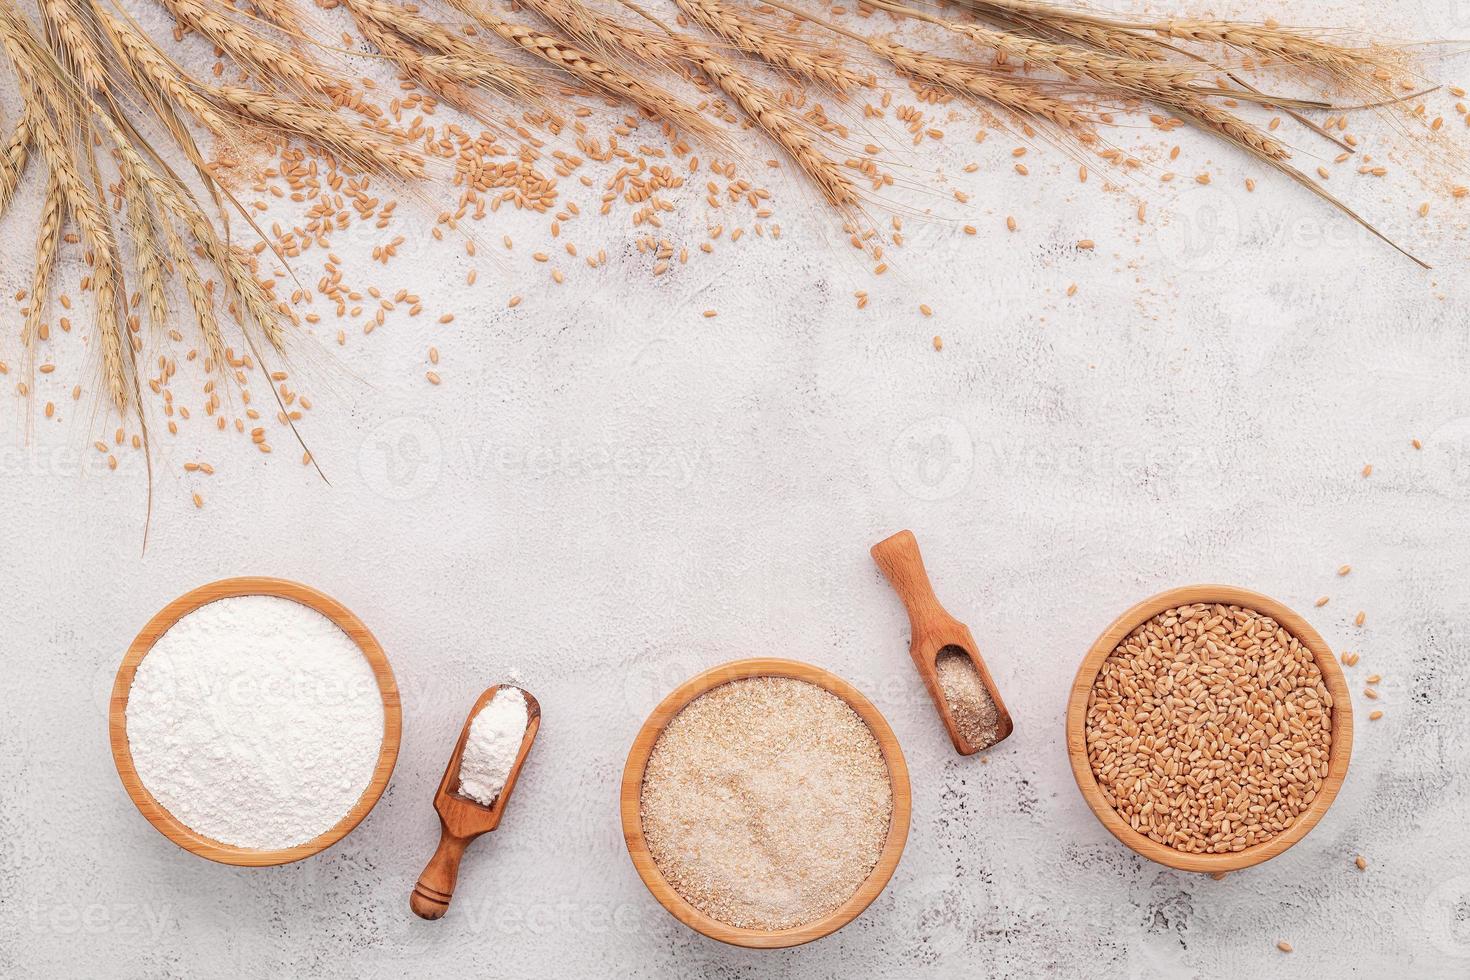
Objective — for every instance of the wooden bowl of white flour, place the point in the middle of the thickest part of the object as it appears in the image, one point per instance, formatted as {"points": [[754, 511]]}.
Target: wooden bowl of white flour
{"points": [[255, 721]]}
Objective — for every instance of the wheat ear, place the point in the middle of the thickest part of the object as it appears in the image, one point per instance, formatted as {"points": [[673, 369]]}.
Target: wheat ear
{"points": [[961, 78], [155, 75], [48, 243], [610, 36], [198, 295], [96, 236], [965, 80], [1071, 22], [791, 132], [41, 84], [447, 82], [16, 155], [254, 50], [775, 47], [78, 47], [238, 276], [1106, 69], [1288, 46], [1229, 127], [315, 124], [282, 13], [604, 76], [147, 254], [457, 60]]}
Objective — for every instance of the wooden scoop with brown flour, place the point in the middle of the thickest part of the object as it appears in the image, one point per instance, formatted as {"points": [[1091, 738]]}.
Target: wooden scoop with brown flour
{"points": [[945, 652]]}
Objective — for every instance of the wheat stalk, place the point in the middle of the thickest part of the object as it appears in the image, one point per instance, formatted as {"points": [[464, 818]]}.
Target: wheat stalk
{"points": [[48, 243], [775, 47]]}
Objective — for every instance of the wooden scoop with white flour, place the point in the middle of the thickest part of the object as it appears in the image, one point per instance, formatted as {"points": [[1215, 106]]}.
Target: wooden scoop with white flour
{"points": [[462, 817]]}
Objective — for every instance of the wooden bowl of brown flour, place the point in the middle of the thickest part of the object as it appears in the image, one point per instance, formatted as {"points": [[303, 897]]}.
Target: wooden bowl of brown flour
{"points": [[765, 803]]}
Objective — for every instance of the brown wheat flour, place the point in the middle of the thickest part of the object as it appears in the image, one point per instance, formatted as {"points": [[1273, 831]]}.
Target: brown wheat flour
{"points": [[766, 802], [970, 704]]}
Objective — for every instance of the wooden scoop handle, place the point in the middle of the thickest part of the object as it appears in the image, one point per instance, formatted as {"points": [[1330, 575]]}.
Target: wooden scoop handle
{"points": [[435, 887], [931, 628]]}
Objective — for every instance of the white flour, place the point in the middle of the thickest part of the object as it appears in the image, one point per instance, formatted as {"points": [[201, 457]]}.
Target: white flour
{"points": [[255, 721], [494, 741]]}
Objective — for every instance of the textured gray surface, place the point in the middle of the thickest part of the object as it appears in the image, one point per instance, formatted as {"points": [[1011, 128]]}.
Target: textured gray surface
{"points": [[610, 493]]}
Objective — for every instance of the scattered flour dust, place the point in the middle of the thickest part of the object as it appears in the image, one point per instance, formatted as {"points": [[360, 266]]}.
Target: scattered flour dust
{"points": [[766, 802], [255, 721], [495, 738]]}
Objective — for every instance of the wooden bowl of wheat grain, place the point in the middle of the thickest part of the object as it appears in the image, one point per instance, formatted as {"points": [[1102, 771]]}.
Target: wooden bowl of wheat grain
{"points": [[1338, 753]]}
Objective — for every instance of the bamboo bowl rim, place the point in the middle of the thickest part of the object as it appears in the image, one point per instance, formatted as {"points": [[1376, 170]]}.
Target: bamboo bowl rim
{"points": [[632, 794], [170, 826], [1338, 754]]}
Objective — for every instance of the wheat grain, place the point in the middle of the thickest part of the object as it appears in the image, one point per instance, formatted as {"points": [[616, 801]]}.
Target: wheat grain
{"points": [[1208, 728]]}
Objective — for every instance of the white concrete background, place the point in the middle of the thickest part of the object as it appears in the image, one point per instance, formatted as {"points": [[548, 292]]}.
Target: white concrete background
{"points": [[610, 493]]}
